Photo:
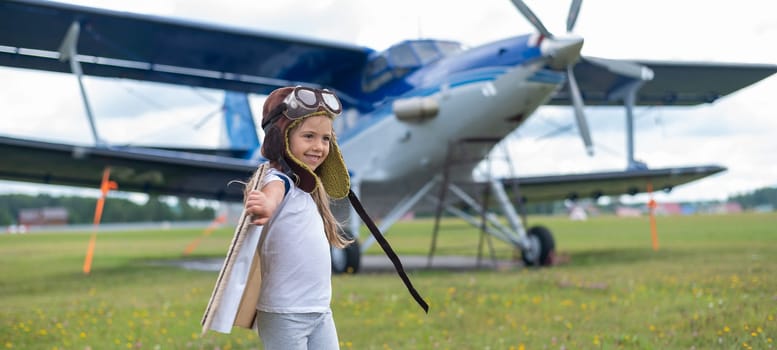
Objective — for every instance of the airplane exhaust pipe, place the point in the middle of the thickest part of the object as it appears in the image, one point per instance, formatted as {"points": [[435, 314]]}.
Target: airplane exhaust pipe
{"points": [[416, 109]]}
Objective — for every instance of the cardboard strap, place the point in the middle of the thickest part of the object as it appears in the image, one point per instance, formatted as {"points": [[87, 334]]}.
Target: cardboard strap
{"points": [[387, 249]]}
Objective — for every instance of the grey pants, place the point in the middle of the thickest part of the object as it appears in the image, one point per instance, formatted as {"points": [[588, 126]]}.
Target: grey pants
{"points": [[301, 331]]}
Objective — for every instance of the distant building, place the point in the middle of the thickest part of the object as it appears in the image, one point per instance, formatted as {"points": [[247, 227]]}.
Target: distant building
{"points": [[669, 209], [624, 211], [43, 216], [726, 208]]}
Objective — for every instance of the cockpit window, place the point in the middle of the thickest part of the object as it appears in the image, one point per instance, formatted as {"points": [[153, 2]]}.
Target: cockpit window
{"points": [[376, 65], [427, 51], [402, 59], [403, 56], [448, 48]]}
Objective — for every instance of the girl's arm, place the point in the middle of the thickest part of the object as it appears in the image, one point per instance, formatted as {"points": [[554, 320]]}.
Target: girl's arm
{"points": [[261, 205]]}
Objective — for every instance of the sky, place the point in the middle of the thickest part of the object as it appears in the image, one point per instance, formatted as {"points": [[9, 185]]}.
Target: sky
{"points": [[737, 131]]}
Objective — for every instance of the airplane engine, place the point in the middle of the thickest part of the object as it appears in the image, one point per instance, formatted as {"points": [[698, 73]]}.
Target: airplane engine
{"points": [[416, 109]]}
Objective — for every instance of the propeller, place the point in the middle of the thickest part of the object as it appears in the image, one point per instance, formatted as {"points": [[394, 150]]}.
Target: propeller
{"points": [[574, 10], [532, 18], [565, 52], [577, 103]]}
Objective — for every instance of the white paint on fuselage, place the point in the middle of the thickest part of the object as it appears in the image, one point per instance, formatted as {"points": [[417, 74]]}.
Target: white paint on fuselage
{"points": [[391, 149]]}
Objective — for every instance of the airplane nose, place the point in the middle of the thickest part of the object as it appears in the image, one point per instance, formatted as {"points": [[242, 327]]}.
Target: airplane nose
{"points": [[562, 51]]}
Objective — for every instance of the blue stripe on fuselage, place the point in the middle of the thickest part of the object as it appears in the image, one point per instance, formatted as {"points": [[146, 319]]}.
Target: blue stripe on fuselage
{"points": [[548, 77]]}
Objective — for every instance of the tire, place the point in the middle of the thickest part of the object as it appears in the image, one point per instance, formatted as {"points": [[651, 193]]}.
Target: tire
{"points": [[543, 248], [346, 260]]}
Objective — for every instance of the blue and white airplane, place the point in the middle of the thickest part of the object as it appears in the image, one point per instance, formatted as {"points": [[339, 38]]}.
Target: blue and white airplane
{"points": [[419, 116]]}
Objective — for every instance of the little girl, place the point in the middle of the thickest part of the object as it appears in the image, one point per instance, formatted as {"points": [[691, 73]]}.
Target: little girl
{"points": [[307, 169]]}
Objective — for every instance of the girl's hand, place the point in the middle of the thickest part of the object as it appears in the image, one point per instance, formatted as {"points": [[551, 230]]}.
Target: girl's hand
{"points": [[261, 205]]}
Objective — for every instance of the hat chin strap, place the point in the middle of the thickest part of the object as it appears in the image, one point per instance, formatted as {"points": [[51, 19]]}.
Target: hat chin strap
{"points": [[357, 205], [302, 176]]}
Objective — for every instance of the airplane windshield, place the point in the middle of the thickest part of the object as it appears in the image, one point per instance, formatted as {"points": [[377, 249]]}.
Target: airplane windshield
{"points": [[403, 58]]}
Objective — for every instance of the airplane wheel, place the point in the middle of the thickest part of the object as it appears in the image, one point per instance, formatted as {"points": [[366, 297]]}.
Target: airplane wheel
{"points": [[543, 247], [346, 260]]}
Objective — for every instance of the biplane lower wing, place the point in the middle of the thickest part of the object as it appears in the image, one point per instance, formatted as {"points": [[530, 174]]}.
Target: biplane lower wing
{"points": [[143, 170], [188, 174], [611, 183]]}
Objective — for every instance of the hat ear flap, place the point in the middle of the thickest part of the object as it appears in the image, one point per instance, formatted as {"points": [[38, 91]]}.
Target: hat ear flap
{"points": [[334, 174], [274, 143]]}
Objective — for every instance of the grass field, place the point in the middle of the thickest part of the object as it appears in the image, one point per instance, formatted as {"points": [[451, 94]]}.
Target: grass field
{"points": [[712, 285]]}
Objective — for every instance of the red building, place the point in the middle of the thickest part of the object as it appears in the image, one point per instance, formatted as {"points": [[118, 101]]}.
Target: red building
{"points": [[43, 216]]}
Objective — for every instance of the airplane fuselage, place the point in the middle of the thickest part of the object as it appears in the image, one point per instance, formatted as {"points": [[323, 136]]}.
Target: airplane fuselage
{"points": [[483, 94]]}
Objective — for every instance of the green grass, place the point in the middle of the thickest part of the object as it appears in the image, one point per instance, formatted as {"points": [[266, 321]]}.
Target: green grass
{"points": [[711, 285]]}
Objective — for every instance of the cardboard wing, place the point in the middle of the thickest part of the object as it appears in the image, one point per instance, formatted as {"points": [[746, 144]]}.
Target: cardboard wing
{"points": [[234, 297]]}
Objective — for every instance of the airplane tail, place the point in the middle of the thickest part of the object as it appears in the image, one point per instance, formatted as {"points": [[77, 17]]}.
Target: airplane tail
{"points": [[239, 127]]}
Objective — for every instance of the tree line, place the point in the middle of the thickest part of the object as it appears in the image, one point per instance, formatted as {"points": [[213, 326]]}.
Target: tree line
{"points": [[81, 209], [761, 197]]}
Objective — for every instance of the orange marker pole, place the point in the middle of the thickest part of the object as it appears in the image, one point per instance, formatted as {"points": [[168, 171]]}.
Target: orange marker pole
{"points": [[652, 208], [213, 225], [105, 186]]}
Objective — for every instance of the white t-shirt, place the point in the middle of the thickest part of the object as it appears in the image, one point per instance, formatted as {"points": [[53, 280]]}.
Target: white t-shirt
{"points": [[295, 256]]}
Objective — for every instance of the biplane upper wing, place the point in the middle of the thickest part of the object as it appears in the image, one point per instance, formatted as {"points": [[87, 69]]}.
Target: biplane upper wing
{"points": [[674, 83], [175, 51], [167, 50]]}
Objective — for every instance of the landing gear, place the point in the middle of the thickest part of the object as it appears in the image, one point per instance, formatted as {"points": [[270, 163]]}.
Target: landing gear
{"points": [[542, 249], [346, 260]]}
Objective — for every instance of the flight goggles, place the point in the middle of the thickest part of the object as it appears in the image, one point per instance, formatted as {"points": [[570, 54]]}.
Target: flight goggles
{"points": [[304, 101]]}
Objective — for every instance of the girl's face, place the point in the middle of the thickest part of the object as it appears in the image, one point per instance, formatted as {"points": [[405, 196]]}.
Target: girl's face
{"points": [[309, 141]]}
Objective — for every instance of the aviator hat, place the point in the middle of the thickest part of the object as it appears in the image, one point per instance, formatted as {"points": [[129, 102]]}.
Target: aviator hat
{"points": [[332, 173]]}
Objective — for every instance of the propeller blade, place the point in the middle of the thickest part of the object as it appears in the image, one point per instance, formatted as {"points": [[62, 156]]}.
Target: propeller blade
{"points": [[577, 103], [532, 18], [629, 69], [574, 10]]}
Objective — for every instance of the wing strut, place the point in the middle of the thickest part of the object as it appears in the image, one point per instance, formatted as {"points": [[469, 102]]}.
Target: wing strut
{"points": [[629, 95], [68, 52]]}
